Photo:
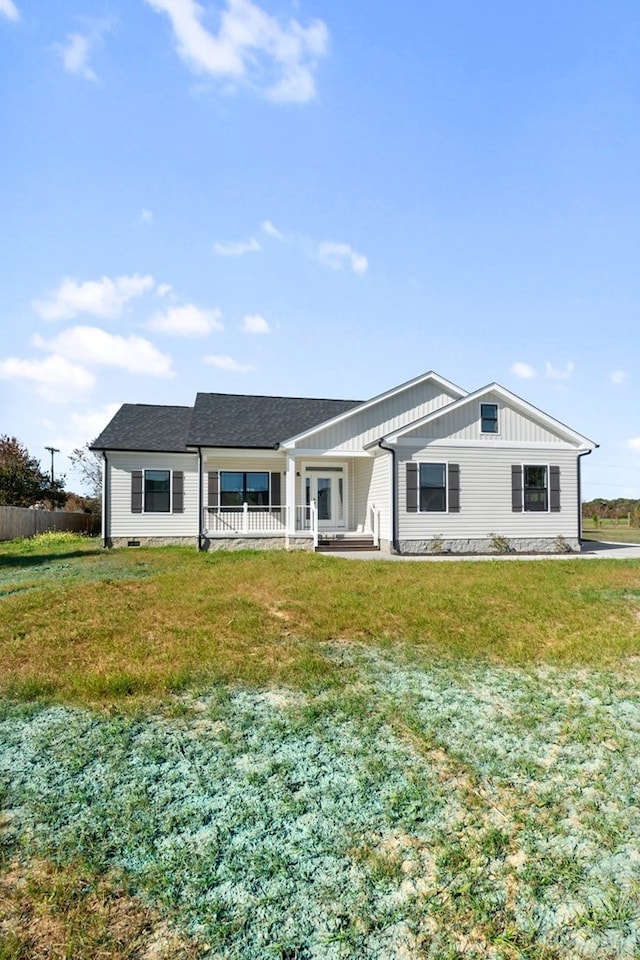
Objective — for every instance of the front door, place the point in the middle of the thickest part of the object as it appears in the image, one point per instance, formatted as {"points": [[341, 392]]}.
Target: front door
{"points": [[327, 487]]}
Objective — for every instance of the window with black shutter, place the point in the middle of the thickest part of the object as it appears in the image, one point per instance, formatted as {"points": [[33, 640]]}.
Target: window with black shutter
{"points": [[157, 491]]}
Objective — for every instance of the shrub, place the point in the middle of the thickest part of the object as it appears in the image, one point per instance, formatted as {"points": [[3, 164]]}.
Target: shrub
{"points": [[499, 543]]}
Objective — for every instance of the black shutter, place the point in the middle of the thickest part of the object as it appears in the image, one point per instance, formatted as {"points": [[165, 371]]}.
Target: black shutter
{"points": [[136, 491], [178, 492], [453, 480], [213, 496], [554, 489], [412, 488], [276, 502], [516, 488]]}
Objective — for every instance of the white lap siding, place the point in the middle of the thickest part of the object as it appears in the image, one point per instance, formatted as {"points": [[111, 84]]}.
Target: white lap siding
{"points": [[485, 494], [122, 522]]}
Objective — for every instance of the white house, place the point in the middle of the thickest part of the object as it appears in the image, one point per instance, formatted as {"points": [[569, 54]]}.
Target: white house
{"points": [[425, 467]]}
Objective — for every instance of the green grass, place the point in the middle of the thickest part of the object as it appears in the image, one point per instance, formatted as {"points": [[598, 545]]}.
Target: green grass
{"points": [[612, 534], [610, 531], [83, 624], [244, 755]]}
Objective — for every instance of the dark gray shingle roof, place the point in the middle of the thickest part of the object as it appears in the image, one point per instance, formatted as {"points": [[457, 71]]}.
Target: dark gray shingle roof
{"points": [[236, 420], [142, 426], [216, 420]]}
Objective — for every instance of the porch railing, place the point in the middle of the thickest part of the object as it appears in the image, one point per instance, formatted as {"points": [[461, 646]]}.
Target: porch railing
{"points": [[307, 520], [374, 524], [260, 521], [245, 520]]}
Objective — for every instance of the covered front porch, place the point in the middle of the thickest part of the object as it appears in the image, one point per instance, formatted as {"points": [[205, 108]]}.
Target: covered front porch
{"points": [[303, 506]]}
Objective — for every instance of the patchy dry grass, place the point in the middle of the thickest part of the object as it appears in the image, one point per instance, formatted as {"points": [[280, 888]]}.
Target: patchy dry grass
{"points": [[307, 758], [51, 912], [90, 625], [476, 811]]}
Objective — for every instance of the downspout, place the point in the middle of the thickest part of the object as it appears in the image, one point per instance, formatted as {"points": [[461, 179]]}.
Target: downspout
{"points": [[105, 500], [200, 502], [584, 453], [394, 495]]}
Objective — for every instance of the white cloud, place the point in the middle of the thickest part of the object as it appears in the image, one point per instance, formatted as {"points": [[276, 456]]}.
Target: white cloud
{"points": [[553, 373], [187, 321], [96, 347], [523, 370], [237, 248], [255, 323], [78, 47], [250, 45], [105, 298], [55, 378], [75, 55], [619, 376], [227, 363], [335, 255], [86, 426], [9, 10], [163, 289], [146, 216], [634, 444], [268, 228]]}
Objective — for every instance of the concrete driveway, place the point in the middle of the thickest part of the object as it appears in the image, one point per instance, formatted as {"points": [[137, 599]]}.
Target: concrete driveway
{"points": [[591, 550]]}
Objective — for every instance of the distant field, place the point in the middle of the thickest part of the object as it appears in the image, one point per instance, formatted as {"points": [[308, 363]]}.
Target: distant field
{"points": [[611, 531], [250, 756]]}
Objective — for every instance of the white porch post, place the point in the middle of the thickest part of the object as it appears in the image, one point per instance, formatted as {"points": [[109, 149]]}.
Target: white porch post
{"points": [[290, 487]]}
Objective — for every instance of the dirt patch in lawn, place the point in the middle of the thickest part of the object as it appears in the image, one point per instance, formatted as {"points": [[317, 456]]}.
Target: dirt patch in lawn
{"points": [[48, 912]]}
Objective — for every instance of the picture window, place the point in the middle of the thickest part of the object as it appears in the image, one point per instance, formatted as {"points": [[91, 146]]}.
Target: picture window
{"points": [[240, 487]]}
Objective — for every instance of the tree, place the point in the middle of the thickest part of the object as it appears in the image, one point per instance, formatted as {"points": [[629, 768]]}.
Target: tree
{"points": [[89, 466], [22, 482]]}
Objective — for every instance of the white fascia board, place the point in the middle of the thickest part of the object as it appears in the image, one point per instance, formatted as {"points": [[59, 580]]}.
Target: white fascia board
{"points": [[431, 375], [528, 409], [486, 444], [336, 454]]}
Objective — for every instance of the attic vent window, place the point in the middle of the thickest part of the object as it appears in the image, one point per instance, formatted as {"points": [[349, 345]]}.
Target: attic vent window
{"points": [[489, 417]]}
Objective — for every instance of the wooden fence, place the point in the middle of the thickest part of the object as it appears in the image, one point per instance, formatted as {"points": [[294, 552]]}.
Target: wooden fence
{"points": [[22, 522]]}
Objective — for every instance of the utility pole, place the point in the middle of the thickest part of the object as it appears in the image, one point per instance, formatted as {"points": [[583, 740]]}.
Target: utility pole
{"points": [[52, 450]]}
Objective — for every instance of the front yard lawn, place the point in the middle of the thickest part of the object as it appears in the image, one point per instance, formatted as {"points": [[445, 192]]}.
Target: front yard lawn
{"points": [[252, 756]]}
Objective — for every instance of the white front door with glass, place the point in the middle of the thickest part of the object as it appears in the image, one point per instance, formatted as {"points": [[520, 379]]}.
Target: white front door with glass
{"points": [[326, 485]]}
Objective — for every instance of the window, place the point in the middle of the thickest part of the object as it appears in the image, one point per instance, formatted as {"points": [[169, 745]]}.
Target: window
{"points": [[489, 417], [238, 487], [157, 491], [433, 489], [535, 488]]}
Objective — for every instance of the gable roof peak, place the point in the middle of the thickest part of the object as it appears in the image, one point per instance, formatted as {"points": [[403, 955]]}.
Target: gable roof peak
{"points": [[447, 385]]}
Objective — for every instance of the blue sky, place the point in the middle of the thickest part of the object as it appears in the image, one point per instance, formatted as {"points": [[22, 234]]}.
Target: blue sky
{"points": [[318, 198]]}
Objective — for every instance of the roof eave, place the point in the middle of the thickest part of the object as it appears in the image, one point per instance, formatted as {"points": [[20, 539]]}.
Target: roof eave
{"points": [[524, 406], [358, 408]]}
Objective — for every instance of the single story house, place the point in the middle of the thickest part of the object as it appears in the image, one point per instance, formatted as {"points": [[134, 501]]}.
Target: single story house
{"points": [[425, 467]]}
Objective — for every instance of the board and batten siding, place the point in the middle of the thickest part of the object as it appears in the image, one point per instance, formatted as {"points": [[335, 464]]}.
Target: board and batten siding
{"points": [[464, 424], [380, 492], [485, 494], [361, 485], [124, 523], [366, 426]]}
